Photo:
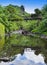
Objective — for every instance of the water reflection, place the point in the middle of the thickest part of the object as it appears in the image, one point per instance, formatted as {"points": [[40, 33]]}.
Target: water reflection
{"points": [[24, 56], [28, 58]]}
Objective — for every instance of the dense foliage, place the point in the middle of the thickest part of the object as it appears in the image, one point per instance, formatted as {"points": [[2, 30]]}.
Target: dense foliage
{"points": [[13, 19], [42, 27]]}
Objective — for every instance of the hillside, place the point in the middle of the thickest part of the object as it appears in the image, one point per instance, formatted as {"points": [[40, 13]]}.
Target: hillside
{"points": [[13, 17], [16, 11]]}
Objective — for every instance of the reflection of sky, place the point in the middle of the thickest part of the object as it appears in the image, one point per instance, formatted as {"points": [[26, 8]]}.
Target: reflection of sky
{"points": [[28, 58]]}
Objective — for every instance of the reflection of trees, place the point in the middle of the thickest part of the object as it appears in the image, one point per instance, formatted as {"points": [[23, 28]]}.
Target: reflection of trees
{"points": [[37, 52], [10, 50], [43, 52]]}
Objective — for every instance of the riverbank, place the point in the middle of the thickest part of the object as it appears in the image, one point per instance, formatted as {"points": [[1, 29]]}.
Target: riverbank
{"points": [[27, 33]]}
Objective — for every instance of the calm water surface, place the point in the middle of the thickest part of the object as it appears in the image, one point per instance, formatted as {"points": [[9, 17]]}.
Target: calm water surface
{"points": [[28, 58], [23, 55]]}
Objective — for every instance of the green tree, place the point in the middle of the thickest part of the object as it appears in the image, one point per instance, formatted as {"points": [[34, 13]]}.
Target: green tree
{"points": [[22, 8], [10, 8], [44, 9], [37, 11]]}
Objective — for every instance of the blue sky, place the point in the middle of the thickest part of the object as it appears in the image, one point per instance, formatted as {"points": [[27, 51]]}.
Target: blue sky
{"points": [[29, 5]]}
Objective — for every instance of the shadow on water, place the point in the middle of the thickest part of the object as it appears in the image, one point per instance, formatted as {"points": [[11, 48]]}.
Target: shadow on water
{"points": [[16, 44]]}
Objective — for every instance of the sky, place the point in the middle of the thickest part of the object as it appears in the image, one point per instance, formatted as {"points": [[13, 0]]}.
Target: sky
{"points": [[29, 5]]}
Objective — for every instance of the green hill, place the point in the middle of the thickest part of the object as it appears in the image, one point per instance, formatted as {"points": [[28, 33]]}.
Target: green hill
{"points": [[13, 16], [15, 11]]}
